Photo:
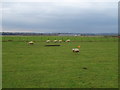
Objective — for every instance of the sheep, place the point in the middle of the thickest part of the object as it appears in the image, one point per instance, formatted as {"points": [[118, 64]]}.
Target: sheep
{"points": [[78, 46], [75, 50], [47, 41], [67, 40], [55, 41], [60, 41], [31, 42]]}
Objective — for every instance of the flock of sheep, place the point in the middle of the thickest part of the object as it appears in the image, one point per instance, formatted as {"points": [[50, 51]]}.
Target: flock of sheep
{"points": [[76, 50], [57, 41]]}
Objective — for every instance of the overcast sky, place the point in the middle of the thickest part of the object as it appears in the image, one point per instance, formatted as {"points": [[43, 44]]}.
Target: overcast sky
{"points": [[79, 16]]}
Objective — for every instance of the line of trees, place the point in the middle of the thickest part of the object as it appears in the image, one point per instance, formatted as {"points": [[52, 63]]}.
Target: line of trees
{"points": [[60, 34]]}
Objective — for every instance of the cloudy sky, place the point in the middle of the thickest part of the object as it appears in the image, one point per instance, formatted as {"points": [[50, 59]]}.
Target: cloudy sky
{"points": [[79, 16]]}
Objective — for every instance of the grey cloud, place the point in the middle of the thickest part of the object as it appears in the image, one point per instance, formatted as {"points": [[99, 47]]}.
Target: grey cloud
{"points": [[52, 18]]}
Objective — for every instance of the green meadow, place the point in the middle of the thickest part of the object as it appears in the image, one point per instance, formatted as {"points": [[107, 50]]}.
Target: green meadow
{"points": [[38, 66]]}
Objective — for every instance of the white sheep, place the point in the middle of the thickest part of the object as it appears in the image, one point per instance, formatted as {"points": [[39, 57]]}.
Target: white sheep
{"points": [[67, 40], [75, 50], [31, 42], [55, 41], [60, 41], [47, 41]]}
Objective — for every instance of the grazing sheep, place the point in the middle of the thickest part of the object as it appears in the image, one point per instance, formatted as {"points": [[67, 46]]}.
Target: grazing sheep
{"points": [[67, 40], [75, 50], [55, 41], [78, 46], [60, 41], [31, 42], [47, 41]]}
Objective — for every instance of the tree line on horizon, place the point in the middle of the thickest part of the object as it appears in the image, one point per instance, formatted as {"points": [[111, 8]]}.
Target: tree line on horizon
{"points": [[60, 34]]}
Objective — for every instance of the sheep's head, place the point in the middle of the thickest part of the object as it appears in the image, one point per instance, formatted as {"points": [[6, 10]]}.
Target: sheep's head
{"points": [[73, 49]]}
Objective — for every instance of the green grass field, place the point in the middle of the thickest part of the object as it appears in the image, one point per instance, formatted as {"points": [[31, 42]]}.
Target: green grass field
{"points": [[37, 66]]}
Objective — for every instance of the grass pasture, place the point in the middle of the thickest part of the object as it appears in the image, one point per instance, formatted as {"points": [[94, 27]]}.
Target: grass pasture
{"points": [[37, 66]]}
